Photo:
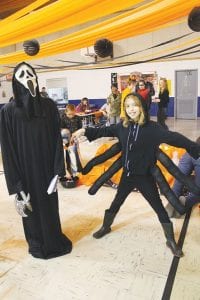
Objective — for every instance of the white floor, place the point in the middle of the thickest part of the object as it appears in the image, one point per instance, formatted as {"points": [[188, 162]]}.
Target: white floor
{"points": [[130, 263]]}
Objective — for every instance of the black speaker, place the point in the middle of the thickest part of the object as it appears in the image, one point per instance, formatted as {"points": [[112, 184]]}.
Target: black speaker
{"points": [[103, 48], [31, 47], [194, 19]]}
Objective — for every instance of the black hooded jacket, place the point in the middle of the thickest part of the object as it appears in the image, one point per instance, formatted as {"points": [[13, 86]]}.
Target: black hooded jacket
{"points": [[140, 143]]}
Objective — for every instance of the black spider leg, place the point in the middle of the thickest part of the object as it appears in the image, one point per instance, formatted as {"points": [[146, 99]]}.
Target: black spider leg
{"points": [[166, 190], [113, 150], [175, 171], [116, 166]]}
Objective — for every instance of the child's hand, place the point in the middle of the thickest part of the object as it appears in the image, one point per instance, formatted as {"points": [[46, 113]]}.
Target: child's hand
{"points": [[77, 134]]}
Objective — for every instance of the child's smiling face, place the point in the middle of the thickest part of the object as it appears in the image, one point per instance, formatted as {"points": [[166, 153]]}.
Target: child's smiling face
{"points": [[132, 108]]}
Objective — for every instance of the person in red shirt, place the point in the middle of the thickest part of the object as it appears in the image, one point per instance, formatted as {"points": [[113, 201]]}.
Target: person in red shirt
{"points": [[83, 105], [144, 93]]}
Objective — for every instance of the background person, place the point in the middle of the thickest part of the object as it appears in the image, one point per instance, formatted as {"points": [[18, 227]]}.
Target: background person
{"points": [[144, 92], [70, 122], [163, 103], [188, 166], [148, 84], [44, 93], [114, 104], [102, 118], [83, 106]]}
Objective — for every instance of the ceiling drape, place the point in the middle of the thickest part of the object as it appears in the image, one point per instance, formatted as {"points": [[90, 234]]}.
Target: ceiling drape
{"points": [[6, 5], [22, 12], [60, 15], [144, 19]]}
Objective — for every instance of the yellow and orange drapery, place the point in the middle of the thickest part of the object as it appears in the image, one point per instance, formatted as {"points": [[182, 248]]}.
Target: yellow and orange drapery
{"points": [[146, 18]]}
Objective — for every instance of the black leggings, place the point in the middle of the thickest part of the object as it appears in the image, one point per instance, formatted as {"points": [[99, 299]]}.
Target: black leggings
{"points": [[147, 186]]}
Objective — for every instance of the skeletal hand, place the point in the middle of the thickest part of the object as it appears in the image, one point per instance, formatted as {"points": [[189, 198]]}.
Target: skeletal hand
{"points": [[23, 204]]}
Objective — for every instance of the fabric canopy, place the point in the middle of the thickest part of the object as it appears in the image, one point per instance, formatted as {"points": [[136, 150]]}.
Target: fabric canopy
{"points": [[144, 19], [21, 12], [9, 5], [60, 15]]}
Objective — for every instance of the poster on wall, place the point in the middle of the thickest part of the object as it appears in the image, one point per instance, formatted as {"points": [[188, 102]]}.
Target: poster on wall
{"points": [[169, 84], [151, 76]]}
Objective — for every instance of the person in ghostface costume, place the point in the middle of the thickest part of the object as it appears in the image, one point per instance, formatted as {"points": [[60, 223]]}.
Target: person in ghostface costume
{"points": [[139, 139], [33, 159]]}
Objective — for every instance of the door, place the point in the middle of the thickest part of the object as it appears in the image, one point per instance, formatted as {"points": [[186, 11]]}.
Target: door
{"points": [[186, 94]]}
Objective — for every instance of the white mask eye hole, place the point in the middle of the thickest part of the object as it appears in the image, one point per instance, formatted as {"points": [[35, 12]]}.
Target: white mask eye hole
{"points": [[27, 78], [29, 73], [22, 74]]}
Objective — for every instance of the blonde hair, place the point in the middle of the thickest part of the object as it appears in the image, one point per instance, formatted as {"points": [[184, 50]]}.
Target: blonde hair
{"points": [[141, 117], [165, 84]]}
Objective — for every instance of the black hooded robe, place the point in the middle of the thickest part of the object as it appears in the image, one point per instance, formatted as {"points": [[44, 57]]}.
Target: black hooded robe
{"points": [[32, 155]]}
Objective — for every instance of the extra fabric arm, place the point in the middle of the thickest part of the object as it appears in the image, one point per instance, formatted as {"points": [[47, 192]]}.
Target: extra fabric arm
{"points": [[166, 190], [113, 150], [116, 166], [175, 171], [178, 140]]}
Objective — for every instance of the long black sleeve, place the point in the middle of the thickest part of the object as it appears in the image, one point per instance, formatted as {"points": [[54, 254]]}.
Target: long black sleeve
{"points": [[95, 133], [9, 154]]}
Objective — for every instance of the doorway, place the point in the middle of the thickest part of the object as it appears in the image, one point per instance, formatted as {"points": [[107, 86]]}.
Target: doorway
{"points": [[186, 94]]}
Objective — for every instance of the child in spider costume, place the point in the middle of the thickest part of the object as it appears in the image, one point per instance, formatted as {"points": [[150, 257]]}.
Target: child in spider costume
{"points": [[139, 139], [32, 155]]}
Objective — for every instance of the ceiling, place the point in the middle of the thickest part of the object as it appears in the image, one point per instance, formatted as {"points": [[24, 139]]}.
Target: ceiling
{"points": [[9, 7], [141, 31]]}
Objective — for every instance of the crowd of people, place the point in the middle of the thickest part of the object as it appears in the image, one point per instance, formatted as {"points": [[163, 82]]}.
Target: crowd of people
{"points": [[113, 109]]}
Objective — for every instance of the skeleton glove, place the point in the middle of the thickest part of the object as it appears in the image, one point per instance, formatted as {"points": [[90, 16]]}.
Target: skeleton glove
{"points": [[23, 204]]}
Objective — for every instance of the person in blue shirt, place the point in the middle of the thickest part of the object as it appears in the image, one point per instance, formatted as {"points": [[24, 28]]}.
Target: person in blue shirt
{"points": [[188, 165]]}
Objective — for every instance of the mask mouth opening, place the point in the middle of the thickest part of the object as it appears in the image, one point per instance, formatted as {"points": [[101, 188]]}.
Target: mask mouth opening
{"points": [[31, 88]]}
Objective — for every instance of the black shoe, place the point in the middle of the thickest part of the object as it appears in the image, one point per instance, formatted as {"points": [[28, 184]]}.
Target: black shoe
{"points": [[174, 248], [101, 232], [171, 243]]}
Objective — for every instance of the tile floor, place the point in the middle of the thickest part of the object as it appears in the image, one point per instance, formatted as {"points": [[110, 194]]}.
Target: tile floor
{"points": [[130, 263]]}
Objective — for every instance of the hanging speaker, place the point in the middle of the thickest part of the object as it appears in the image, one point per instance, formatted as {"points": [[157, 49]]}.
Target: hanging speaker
{"points": [[103, 48], [31, 47], [194, 19]]}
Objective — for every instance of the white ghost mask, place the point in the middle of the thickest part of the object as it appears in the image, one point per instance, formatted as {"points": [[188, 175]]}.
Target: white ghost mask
{"points": [[27, 78]]}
